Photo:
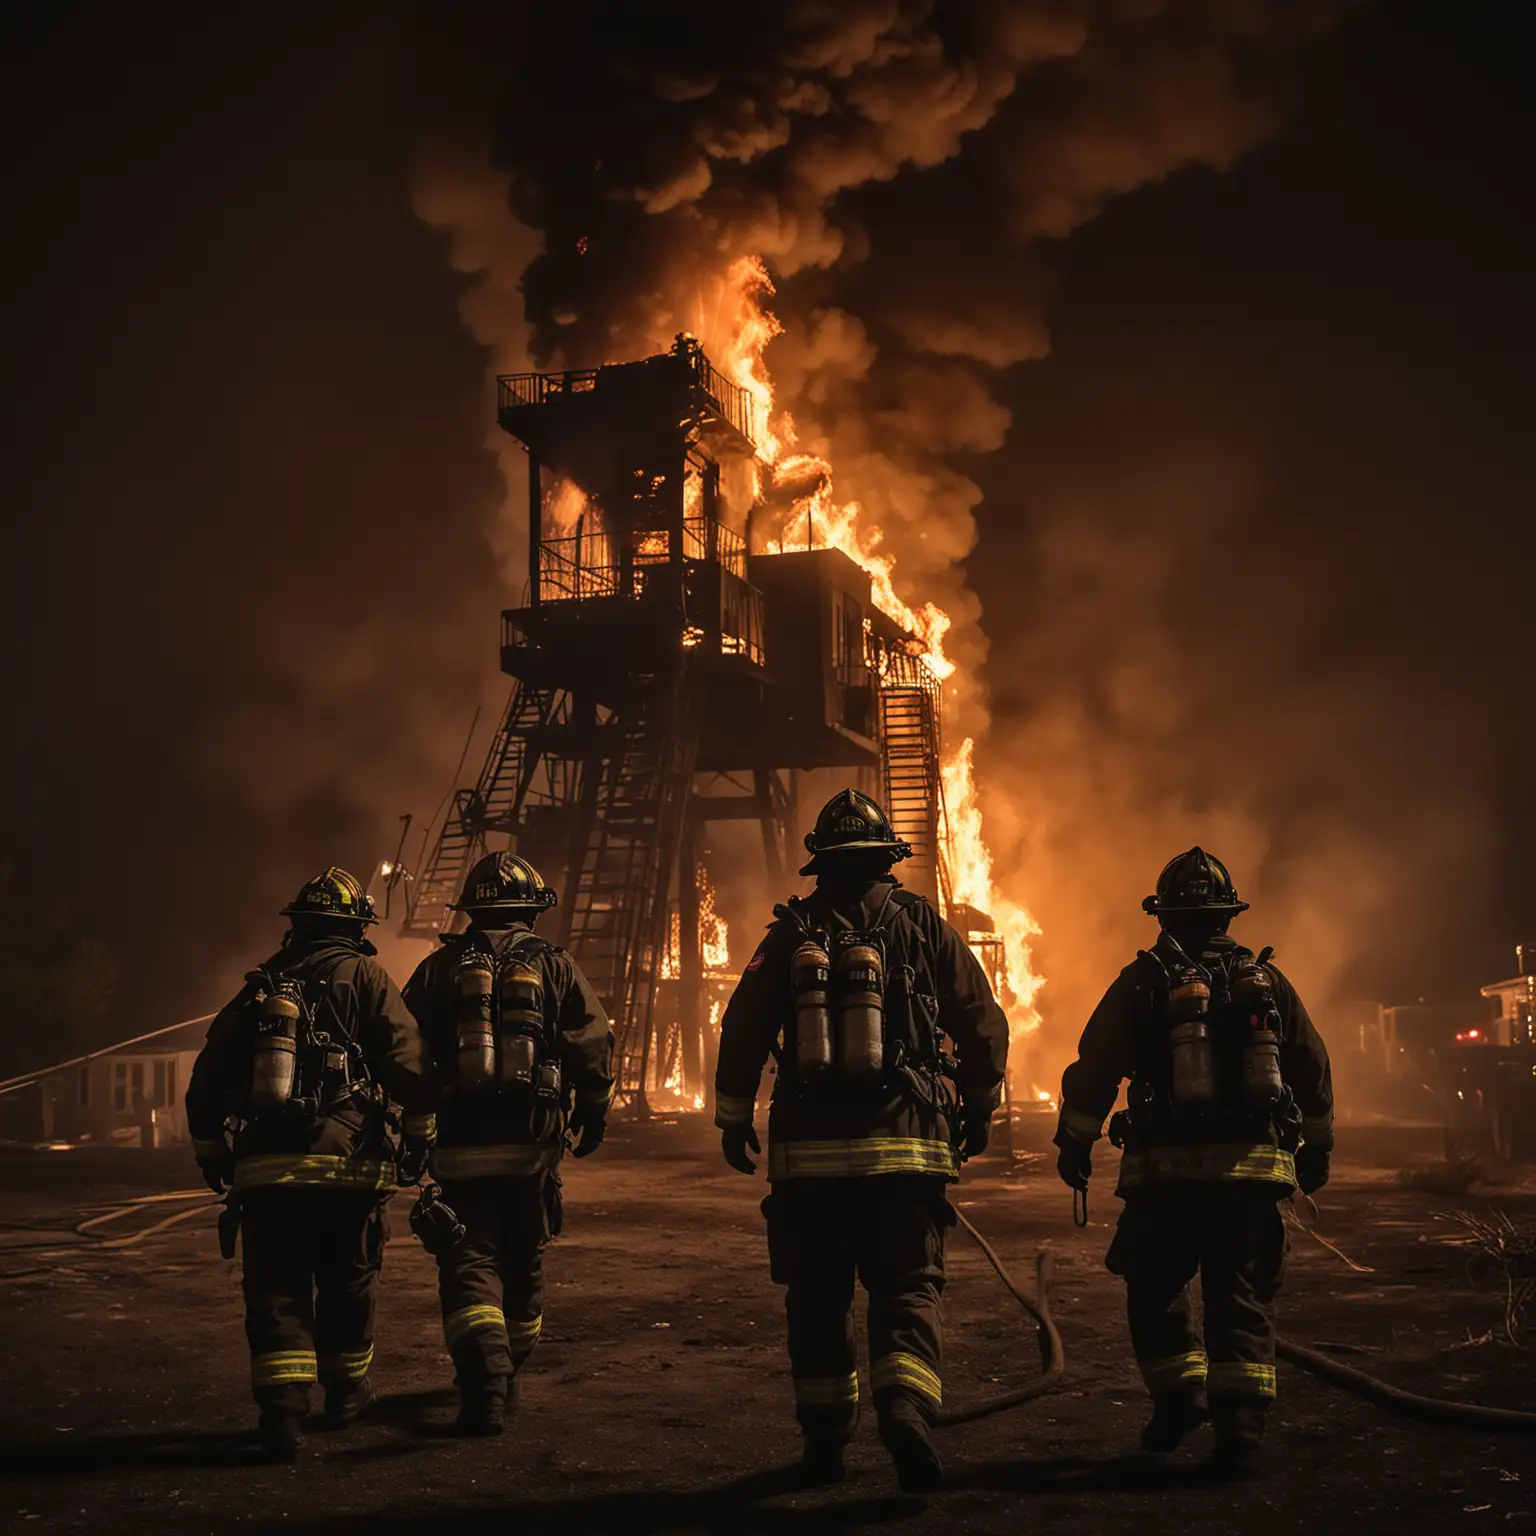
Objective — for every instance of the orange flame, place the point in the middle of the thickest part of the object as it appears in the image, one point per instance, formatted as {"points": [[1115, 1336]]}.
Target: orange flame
{"points": [[971, 882], [714, 935], [740, 333]]}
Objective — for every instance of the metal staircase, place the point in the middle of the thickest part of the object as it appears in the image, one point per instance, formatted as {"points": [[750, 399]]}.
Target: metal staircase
{"points": [[487, 808], [909, 761], [618, 891]]}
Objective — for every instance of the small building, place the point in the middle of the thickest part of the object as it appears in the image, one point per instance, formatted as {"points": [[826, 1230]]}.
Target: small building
{"points": [[1516, 1021], [130, 1094]]}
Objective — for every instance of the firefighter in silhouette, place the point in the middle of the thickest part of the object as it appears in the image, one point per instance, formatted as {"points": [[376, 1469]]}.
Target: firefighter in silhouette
{"points": [[523, 1056], [308, 1066], [1230, 1106], [857, 991]]}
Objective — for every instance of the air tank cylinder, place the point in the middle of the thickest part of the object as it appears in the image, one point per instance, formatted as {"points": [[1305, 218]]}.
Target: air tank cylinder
{"points": [[520, 992], [1189, 1039], [813, 1014], [473, 980], [275, 1066], [1253, 999], [861, 1013]]}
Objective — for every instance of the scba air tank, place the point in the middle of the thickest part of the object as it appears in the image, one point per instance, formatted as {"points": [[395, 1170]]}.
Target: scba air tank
{"points": [[472, 983], [813, 1012], [520, 995], [859, 981], [275, 1066], [1189, 1040], [1253, 1000]]}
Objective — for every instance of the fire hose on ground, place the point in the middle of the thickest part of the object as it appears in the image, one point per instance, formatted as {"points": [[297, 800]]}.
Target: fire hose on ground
{"points": [[1434, 1410], [1052, 1356]]}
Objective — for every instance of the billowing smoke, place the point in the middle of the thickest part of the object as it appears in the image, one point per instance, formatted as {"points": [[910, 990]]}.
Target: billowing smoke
{"points": [[902, 170]]}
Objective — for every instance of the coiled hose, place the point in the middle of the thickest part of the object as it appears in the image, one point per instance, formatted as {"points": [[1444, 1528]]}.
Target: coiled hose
{"points": [[1052, 1356]]}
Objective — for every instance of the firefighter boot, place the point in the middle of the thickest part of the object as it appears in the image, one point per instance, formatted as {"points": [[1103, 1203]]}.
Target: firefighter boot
{"points": [[346, 1402], [904, 1432], [1174, 1415], [281, 1432], [821, 1460], [484, 1410], [1239, 1443]]}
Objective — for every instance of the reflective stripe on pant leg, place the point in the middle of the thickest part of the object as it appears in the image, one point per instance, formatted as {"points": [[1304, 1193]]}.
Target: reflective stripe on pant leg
{"points": [[346, 1364], [468, 1320], [828, 1402], [1240, 1378], [522, 1336], [347, 1234], [283, 1367], [1174, 1372], [902, 1372]]}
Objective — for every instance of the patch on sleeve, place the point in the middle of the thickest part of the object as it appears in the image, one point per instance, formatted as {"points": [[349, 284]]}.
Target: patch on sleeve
{"points": [[756, 962]]}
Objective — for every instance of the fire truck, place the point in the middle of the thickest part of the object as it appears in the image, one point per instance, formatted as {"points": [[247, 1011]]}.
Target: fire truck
{"points": [[1489, 1073]]}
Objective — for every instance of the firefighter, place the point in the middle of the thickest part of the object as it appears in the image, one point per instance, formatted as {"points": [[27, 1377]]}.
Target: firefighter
{"points": [[853, 991], [1230, 1107], [522, 1050], [306, 1065]]}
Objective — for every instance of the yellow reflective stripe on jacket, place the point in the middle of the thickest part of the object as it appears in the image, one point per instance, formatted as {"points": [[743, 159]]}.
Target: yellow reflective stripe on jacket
{"points": [[588, 1095], [1248, 1163], [483, 1319], [1174, 1371], [732, 1112], [423, 1126], [346, 1364], [1240, 1378], [510, 1161], [313, 1170], [1079, 1126], [860, 1157], [827, 1391], [279, 1367], [908, 1373]]}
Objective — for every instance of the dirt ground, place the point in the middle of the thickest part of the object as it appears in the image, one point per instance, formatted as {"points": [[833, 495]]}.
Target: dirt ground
{"points": [[659, 1399]]}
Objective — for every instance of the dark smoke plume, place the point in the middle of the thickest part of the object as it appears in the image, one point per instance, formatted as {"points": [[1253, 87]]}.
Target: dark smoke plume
{"points": [[902, 169]]}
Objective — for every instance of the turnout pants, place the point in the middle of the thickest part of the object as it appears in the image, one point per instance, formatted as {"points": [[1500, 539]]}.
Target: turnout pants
{"points": [[887, 1231], [1234, 1236], [311, 1260], [492, 1284]]}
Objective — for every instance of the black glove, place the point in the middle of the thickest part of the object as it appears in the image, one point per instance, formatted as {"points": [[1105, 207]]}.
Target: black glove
{"points": [[589, 1124], [976, 1133], [218, 1172], [411, 1166], [1074, 1163], [1312, 1167], [216, 1163], [734, 1142]]}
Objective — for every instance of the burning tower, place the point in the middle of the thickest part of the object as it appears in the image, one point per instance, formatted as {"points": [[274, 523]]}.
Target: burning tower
{"points": [[666, 676]]}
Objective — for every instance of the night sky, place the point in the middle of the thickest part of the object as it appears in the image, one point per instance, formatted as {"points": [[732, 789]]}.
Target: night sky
{"points": [[1251, 557]]}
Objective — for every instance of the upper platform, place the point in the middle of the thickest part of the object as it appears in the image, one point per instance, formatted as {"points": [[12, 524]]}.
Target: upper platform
{"points": [[567, 417]]}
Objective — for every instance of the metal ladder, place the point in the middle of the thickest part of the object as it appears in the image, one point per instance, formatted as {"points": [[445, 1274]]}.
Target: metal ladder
{"points": [[491, 805], [909, 762], [620, 890]]}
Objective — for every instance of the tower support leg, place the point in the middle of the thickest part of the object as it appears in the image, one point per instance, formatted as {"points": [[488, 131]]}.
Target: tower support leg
{"points": [[690, 954]]}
